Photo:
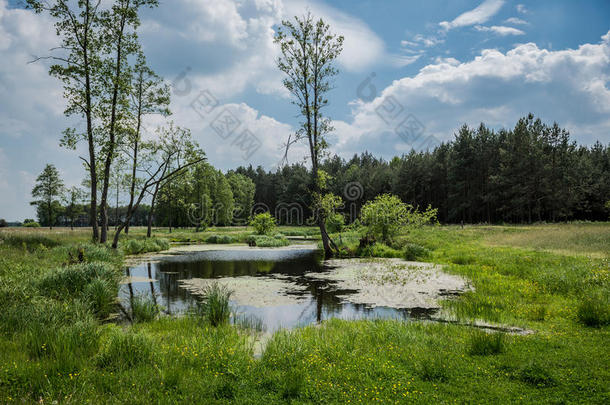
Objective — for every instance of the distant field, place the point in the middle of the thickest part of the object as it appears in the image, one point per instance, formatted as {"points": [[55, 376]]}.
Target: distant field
{"points": [[578, 238]]}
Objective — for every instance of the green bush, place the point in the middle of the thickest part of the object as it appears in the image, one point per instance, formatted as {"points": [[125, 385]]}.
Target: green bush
{"points": [[220, 239], [263, 223], [267, 241], [143, 309], [335, 223], [32, 224], [215, 304], [483, 343], [594, 308], [125, 350], [378, 250], [386, 215], [415, 252], [137, 246]]}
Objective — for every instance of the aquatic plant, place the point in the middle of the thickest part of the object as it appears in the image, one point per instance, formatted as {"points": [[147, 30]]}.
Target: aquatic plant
{"points": [[215, 304], [143, 309]]}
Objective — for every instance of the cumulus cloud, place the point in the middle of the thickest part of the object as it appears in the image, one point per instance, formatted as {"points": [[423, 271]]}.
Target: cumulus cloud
{"points": [[500, 30], [478, 15], [570, 86], [515, 21]]}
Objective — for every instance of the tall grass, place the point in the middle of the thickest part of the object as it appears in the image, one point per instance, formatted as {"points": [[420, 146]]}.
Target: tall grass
{"points": [[144, 309], [215, 304], [483, 343], [125, 350]]}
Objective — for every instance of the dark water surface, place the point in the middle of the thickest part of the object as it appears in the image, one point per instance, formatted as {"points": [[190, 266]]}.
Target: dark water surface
{"points": [[320, 297]]}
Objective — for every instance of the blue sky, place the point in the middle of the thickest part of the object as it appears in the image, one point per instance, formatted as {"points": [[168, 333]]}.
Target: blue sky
{"points": [[440, 63]]}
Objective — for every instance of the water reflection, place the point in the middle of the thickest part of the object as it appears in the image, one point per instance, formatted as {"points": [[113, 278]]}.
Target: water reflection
{"points": [[320, 298]]}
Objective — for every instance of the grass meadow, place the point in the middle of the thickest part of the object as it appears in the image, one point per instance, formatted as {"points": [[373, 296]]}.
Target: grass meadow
{"points": [[60, 341]]}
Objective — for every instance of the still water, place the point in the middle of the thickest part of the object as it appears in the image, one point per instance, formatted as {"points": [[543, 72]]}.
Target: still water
{"points": [[320, 299]]}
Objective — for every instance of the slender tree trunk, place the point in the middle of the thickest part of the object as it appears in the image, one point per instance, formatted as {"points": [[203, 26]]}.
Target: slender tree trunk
{"points": [[151, 212], [112, 141], [90, 140]]}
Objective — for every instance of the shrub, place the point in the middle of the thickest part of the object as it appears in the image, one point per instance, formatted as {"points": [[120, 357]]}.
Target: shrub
{"points": [[220, 239], [32, 224], [594, 309], [137, 246], [267, 241], [125, 350], [215, 304], [386, 215], [263, 223], [335, 222], [483, 343], [415, 252], [378, 250], [143, 309]]}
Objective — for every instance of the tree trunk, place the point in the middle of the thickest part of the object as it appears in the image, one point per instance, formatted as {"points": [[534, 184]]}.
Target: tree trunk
{"points": [[112, 141]]}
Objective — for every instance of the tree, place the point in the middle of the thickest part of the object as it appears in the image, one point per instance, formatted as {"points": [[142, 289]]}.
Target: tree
{"points": [[48, 190], [308, 51], [77, 24], [223, 204], [118, 26], [149, 96], [3, 223], [243, 194], [172, 152], [263, 223], [387, 214], [73, 200]]}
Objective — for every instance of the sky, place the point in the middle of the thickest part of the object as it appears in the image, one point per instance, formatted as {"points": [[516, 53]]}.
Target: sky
{"points": [[411, 73]]}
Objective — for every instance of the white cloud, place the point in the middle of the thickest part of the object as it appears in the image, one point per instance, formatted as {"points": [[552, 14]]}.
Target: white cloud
{"points": [[362, 48], [478, 15], [500, 30], [569, 86], [516, 21], [521, 9]]}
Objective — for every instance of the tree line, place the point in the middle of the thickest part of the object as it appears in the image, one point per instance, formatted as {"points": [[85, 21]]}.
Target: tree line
{"points": [[201, 196], [533, 172]]}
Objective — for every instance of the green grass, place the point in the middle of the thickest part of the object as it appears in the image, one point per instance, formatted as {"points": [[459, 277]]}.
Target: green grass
{"points": [[56, 343]]}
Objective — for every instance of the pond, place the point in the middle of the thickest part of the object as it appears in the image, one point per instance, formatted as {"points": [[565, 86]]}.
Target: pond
{"points": [[275, 286]]}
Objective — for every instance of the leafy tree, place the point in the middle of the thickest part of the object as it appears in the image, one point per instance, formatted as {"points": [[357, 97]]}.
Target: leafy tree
{"points": [[77, 25], [120, 41], [386, 215], [48, 190], [224, 204], [263, 223], [149, 96], [243, 194], [308, 51], [168, 156], [3, 223], [73, 200]]}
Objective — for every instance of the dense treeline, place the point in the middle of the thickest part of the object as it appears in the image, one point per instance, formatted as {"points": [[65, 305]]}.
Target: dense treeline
{"points": [[534, 172]]}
